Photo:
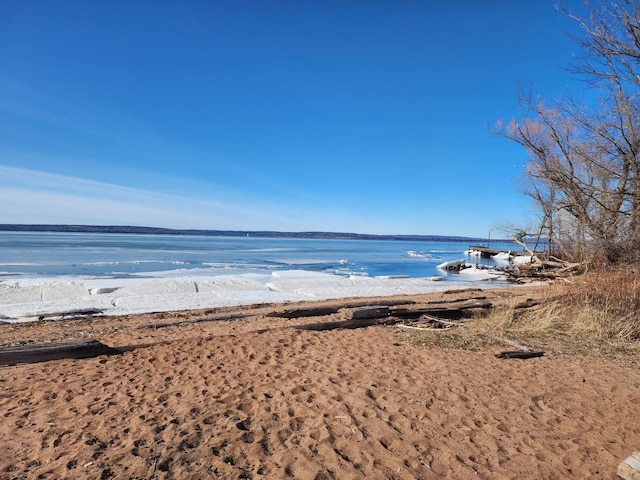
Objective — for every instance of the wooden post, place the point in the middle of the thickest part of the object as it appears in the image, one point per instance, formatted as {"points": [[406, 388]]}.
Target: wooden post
{"points": [[629, 469]]}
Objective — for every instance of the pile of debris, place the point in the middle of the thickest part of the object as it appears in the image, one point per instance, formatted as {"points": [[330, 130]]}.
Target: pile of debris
{"points": [[538, 269]]}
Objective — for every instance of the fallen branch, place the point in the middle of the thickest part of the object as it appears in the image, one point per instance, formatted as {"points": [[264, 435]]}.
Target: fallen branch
{"points": [[440, 321], [528, 303]]}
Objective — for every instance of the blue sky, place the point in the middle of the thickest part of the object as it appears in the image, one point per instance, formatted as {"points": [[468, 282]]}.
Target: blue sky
{"points": [[358, 116]]}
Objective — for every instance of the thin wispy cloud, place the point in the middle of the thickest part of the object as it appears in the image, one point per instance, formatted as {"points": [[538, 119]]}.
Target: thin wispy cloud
{"points": [[41, 197], [129, 139], [228, 120]]}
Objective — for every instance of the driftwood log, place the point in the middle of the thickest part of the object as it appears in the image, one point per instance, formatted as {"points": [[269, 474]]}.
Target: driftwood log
{"points": [[528, 303], [376, 314], [519, 354], [449, 310], [322, 310], [359, 317], [305, 312], [43, 352], [346, 324], [541, 269], [546, 270], [373, 311]]}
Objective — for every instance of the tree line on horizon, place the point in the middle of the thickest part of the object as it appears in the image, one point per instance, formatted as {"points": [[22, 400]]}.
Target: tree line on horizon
{"points": [[583, 169], [137, 229]]}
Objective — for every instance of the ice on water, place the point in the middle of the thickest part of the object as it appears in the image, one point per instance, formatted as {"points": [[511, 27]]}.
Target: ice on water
{"points": [[27, 300], [48, 274]]}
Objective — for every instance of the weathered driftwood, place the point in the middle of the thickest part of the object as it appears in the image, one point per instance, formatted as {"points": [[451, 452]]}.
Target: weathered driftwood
{"points": [[321, 310], [359, 317], [456, 300], [439, 321], [534, 257], [629, 468], [382, 314], [43, 352], [453, 310], [544, 270], [429, 322], [387, 301], [305, 312], [372, 311], [519, 354], [528, 303], [346, 324], [449, 292]]}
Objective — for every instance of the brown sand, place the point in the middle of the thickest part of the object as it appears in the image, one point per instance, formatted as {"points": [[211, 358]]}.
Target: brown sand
{"points": [[256, 398]]}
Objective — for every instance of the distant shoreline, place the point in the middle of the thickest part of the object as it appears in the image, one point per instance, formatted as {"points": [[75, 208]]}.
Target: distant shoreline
{"points": [[231, 233]]}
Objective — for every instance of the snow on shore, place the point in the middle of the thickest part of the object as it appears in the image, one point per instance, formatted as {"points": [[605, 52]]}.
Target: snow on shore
{"points": [[33, 299]]}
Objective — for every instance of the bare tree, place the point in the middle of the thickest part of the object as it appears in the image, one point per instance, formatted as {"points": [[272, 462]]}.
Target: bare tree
{"points": [[611, 41], [584, 166]]}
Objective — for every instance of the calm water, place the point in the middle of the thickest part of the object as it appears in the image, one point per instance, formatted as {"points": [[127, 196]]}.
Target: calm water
{"points": [[25, 255]]}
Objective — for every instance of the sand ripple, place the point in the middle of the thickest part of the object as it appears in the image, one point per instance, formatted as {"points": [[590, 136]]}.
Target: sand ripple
{"points": [[257, 399]]}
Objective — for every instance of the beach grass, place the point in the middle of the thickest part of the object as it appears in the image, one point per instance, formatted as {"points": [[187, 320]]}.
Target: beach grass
{"points": [[597, 313]]}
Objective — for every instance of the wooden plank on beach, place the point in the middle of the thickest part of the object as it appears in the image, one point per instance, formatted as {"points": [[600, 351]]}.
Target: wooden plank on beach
{"points": [[387, 301], [321, 310], [370, 311], [43, 352], [629, 469], [456, 300], [460, 290], [306, 312], [528, 303], [345, 324], [519, 354], [360, 317], [448, 310]]}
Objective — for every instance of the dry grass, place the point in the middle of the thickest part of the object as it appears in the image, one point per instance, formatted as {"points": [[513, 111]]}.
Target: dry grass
{"points": [[606, 305], [594, 314]]}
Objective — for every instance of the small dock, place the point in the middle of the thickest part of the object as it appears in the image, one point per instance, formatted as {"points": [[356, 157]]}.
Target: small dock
{"points": [[486, 252]]}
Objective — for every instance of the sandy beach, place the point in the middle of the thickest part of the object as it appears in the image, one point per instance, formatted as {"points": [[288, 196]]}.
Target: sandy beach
{"points": [[257, 397]]}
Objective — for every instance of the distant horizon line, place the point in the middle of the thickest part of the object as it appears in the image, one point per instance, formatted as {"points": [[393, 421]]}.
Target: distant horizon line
{"points": [[137, 229]]}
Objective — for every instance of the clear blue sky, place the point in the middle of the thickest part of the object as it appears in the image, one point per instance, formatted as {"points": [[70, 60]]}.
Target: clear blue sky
{"points": [[359, 116]]}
